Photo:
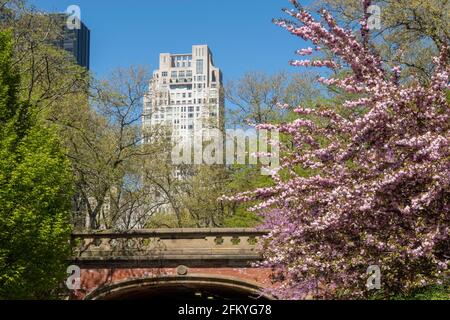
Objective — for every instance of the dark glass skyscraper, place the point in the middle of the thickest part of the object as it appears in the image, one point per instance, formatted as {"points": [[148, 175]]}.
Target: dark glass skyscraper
{"points": [[76, 41]]}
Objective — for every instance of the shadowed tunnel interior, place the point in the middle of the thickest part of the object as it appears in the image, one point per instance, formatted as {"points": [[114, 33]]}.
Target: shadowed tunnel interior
{"points": [[181, 291]]}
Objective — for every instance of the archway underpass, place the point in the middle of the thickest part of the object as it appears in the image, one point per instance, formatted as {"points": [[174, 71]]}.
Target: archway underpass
{"points": [[184, 264]]}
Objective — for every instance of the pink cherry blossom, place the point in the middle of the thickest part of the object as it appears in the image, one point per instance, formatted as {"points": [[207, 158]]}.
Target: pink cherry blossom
{"points": [[367, 188]]}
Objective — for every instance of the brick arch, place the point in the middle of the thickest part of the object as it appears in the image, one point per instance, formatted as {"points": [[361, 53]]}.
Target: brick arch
{"points": [[112, 261], [173, 283]]}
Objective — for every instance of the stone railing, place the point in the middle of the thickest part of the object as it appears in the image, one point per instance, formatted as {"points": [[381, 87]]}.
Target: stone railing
{"points": [[167, 247]]}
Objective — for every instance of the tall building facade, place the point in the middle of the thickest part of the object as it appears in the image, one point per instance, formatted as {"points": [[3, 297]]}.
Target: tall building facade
{"points": [[76, 41], [185, 94]]}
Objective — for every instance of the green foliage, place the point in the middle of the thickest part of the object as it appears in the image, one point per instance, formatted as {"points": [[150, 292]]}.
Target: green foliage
{"points": [[432, 292], [244, 178], [49, 76], [242, 218], [201, 195], [428, 293], [255, 96], [412, 31], [170, 220], [35, 193]]}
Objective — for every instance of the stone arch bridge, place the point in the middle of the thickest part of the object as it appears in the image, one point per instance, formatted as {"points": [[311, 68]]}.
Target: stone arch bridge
{"points": [[170, 263]]}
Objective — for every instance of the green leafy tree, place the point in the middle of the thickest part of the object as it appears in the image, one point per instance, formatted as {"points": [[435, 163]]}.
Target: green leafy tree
{"points": [[256, 96], [410, 33], [35, 193]]}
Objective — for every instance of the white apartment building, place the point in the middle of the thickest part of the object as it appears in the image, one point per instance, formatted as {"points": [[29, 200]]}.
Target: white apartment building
{"points": [[185, 94]]}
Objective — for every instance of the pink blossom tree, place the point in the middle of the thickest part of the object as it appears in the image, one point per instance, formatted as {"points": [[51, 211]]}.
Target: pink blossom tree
{"points": [[361, 188]]}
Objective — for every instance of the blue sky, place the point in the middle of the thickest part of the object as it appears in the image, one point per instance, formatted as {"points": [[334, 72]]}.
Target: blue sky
{"points": [[134, 32]]}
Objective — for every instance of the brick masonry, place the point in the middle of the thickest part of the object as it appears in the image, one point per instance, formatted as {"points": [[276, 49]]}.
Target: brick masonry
{"points": [[93, 279]]}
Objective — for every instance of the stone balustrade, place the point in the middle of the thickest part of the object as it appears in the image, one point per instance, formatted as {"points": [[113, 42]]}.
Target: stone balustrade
{"points": [[168, 247]]}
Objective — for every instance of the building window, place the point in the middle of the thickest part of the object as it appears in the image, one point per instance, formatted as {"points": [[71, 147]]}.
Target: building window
{"points": [[174, 74], [189, 73], [199, 66], [164, 74]]}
